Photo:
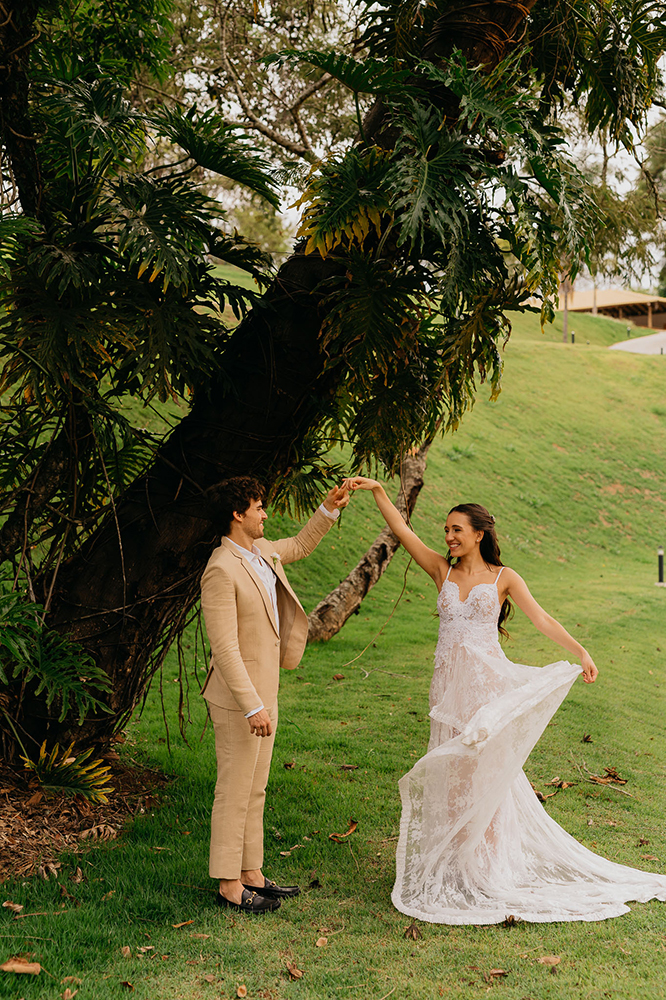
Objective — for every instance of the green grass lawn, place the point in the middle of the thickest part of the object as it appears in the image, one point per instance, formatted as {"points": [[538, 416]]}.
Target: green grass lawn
{"points": [[572, 461]]}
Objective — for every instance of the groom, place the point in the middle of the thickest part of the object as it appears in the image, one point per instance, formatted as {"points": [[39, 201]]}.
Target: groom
{"points": [[255, 625]]}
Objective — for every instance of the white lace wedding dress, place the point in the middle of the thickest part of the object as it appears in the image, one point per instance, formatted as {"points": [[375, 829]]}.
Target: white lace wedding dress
{"points": [[476, 845]]}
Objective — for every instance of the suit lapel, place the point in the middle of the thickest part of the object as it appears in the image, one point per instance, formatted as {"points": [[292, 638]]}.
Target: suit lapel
{"points": [[256, 580], [264, 545]]}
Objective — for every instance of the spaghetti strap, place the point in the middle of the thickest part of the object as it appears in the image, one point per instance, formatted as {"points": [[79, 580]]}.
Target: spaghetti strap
{"points": [[449, 573], [502, 568]]}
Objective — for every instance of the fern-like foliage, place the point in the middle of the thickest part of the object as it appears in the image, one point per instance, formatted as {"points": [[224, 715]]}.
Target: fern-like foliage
{"points": [[49, 662], [431, 180], [162, 224], [18, 628], [116, 291], [345, 201], [368, 76], [439, 236], [216, 146], [70, 773]]}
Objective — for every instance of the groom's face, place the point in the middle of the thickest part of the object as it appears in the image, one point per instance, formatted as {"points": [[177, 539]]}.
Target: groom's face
{"points": [[253, 519]]}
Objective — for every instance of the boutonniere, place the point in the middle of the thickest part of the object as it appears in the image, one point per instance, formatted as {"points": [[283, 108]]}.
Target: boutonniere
{"points": [[275, 556]]}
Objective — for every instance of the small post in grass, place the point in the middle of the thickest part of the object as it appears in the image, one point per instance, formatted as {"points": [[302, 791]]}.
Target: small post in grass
{"points": [[660, 565]]}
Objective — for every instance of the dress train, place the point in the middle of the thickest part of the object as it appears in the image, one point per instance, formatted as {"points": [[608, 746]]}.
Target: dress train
{"points": [[476, 845]]}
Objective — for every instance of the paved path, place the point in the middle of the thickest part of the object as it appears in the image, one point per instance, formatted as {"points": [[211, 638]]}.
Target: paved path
{"points": [[654, 343]]}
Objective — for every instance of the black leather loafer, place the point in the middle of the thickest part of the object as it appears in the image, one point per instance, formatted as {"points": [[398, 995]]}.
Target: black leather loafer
{"points": [[271, 890], [251, 902]]}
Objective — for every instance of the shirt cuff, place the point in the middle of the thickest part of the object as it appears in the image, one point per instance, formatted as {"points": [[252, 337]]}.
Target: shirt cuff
{"points": [[254, 711], [333, 514]]}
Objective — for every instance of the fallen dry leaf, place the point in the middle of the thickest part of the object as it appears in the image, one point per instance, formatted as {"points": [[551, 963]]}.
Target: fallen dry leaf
{"points": [[314, 884], [641, 843], [35, 799], [67, 895], [126, 984], [294, 971], [201, 936], [242, 990], [185, 923], [550, 959], [649, 857], [126, 951], [77, 877], [541, 797], [511, 921], [494, 974], [339, 837], [21, 965], [100, 832], [587, 738], [68, 994], [412, 932], [349, 767], [209, 977], [108, 895], [320, 942], [71, 979], [17, 907], [338, 677], [289, 765], [285, 854]]}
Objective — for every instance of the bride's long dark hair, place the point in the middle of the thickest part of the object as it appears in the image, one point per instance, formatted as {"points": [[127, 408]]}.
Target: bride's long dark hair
{"points": [[481, 520]]}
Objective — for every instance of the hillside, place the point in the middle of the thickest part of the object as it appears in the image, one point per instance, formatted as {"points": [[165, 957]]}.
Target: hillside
{"points": [[572, 461]]}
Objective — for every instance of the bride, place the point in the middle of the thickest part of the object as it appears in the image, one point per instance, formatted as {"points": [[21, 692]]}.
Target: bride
{"points": [[476, 846]]}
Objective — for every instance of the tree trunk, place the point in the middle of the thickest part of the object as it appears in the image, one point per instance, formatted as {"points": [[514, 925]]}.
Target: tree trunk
{"points": [[125, 595], [136, 578], [330, 615], [17, 33]]}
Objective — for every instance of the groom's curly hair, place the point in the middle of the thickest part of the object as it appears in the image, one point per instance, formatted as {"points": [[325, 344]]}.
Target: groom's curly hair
{"points": [[232, 496]]}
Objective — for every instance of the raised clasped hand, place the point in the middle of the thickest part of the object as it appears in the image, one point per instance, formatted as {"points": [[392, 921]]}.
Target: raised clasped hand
{"points": [[360, 483], [337, 498]]}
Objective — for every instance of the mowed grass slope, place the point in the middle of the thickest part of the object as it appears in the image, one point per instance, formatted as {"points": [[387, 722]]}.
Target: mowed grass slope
{"points": [[572, 461]]}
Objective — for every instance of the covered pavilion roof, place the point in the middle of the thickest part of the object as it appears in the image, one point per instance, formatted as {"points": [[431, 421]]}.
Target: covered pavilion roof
{"points": [[615, 302]]}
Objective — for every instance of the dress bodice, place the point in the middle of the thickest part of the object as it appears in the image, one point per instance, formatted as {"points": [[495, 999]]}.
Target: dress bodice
{"points": [[472, 621]]}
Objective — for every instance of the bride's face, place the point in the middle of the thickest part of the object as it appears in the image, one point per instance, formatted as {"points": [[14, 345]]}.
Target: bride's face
{"points": [[461, 537]]}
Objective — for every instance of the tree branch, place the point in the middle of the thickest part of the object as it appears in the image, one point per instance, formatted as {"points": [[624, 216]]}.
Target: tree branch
{"points": [[333, 612], [17, 34], [253, 120], [311, 89]]}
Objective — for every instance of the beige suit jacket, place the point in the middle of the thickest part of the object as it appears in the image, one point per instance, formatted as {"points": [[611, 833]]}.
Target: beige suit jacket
{"points": [[247, 649]]}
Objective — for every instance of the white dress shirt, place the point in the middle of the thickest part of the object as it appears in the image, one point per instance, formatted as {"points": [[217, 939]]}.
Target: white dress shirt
{"points": [[266, 574]]}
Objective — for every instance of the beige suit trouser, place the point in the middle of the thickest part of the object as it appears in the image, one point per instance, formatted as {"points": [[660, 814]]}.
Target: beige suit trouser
{"points": [[237, 821]]}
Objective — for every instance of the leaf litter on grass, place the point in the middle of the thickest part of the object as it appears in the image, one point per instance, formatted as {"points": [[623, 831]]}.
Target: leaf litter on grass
{"points": [[293, 970], [21, 965], [339, 837]]}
